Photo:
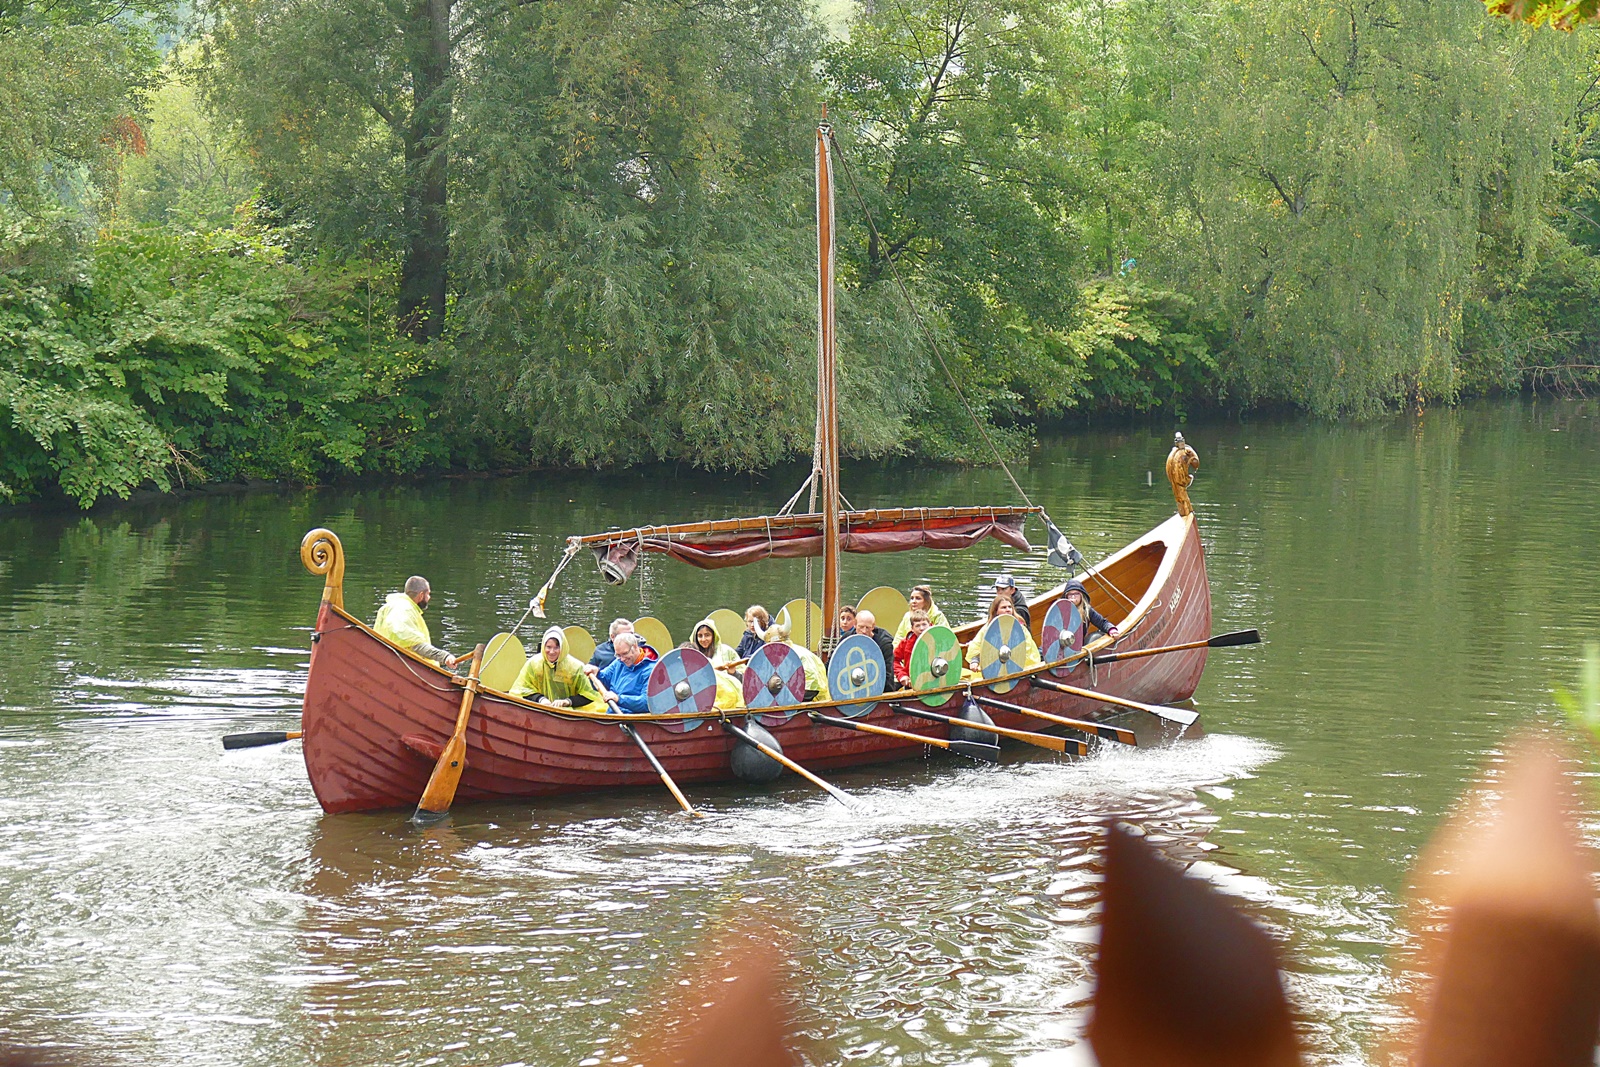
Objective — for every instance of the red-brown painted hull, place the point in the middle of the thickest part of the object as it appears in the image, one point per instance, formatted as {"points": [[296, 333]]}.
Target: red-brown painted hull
{"points": [[375, 715]]}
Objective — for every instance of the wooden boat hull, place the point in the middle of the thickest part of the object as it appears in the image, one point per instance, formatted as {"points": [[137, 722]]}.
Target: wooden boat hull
{"points": [[375, 716]]}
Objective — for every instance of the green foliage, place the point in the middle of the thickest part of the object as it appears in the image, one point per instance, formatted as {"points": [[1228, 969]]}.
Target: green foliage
{"points": [[635, 247], [1337, 163], [72, 77], [190, 177], [181, 358], [1143, 349], [954, 116], [1562, 14], [1583, 708]]}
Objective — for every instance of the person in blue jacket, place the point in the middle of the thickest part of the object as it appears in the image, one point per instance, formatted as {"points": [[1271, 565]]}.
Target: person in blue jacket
{"points": [[622, 682]]}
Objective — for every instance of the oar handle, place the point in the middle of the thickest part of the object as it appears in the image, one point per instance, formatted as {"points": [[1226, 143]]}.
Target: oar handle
{"points": [[735, 663]]}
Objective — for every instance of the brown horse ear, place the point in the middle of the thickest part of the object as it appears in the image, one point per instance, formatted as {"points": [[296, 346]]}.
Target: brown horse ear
{"points": [[1184, 980], [731, 1012], [1515, 974]]}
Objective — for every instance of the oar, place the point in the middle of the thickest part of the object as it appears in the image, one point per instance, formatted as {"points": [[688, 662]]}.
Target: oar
{"points": [[735, 663], [666, 779], [744, 735], [268, 737], [1100, 730], [1177, 715], [1238, 637], [441, 789], [987, 753], [1054, 744]]}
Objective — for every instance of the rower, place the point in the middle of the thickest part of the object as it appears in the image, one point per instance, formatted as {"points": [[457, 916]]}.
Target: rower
{"points": [[400, 621], [606, 651], [867, 626], [622, 683], [1022, 657], [1007, 585]]}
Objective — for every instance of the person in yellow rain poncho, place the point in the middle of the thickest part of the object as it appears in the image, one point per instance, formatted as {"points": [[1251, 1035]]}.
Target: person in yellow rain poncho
{"points": [[707, 640], [551, 676], [400, 620], [1023, 657], [816, 673], [921, 597]]}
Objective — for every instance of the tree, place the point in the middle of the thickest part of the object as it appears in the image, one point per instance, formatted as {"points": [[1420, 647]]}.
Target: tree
{"points": [[190, 176], [954, 113], [1337, 165], [347, 108], [72, 78]]}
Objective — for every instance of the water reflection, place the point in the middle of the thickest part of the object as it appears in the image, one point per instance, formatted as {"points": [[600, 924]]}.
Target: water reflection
{"points": [[1418, 586]]}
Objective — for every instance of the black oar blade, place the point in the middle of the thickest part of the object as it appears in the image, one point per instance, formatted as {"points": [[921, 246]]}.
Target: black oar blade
{"points": [[976, 750], [1238, 637], [266, 737]]}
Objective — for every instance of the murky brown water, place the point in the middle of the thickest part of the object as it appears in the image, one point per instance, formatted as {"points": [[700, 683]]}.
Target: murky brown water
{"points": [[1422, 588]]}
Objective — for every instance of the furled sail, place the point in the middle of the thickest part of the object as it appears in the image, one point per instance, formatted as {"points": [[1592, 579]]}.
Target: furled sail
{"points": [[736, 542]]}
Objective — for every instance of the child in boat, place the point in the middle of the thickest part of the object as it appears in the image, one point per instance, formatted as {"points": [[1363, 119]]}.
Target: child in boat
{"points": [[917, 624], [1076, 594], [551, 676], [847, 622], [816, 673], [921, 599], [756, 621], [1024, 655], [707, 641]]}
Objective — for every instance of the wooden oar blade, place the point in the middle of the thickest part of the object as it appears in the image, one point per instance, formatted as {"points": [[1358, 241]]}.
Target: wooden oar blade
{"points": [[1238, 637], [265, 737], [441, 789], [1183, 979], [1181, 716]]}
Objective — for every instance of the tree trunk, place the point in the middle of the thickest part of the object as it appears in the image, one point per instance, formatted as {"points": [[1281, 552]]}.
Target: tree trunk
{"points": [[424, 270]]}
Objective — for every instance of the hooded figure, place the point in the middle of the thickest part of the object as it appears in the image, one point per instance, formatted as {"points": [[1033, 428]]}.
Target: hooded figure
{"points": [[1090, 616], [718, 653], [555, 677]]}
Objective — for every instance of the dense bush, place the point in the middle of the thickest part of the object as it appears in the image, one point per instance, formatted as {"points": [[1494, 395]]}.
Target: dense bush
{"points": [[171, 359]]}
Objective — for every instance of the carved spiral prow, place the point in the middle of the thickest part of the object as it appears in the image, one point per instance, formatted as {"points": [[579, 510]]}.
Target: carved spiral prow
{"points": [[1181, 462], [322, 553]]}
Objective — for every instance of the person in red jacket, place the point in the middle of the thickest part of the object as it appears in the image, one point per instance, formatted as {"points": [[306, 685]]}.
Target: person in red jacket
{"points": [[902, 650]]}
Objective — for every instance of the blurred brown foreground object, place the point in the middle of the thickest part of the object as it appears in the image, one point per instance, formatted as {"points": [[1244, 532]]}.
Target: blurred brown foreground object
{"points": [[1516, 974], [745, 1023], [1184, 980]]}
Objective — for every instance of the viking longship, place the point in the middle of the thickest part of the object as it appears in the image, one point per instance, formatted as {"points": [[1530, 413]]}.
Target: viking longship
{"points": [[382, 725]]}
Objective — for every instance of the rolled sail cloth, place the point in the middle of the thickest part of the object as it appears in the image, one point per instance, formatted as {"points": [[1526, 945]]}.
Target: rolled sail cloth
{"points": [[736, 542]]}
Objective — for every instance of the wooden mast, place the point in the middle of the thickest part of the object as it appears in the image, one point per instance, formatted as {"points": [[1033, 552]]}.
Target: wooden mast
{"points": [[827, 459]]}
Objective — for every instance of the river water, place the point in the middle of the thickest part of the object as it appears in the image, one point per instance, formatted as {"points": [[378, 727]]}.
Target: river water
{"points": [[1422, 585]]}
